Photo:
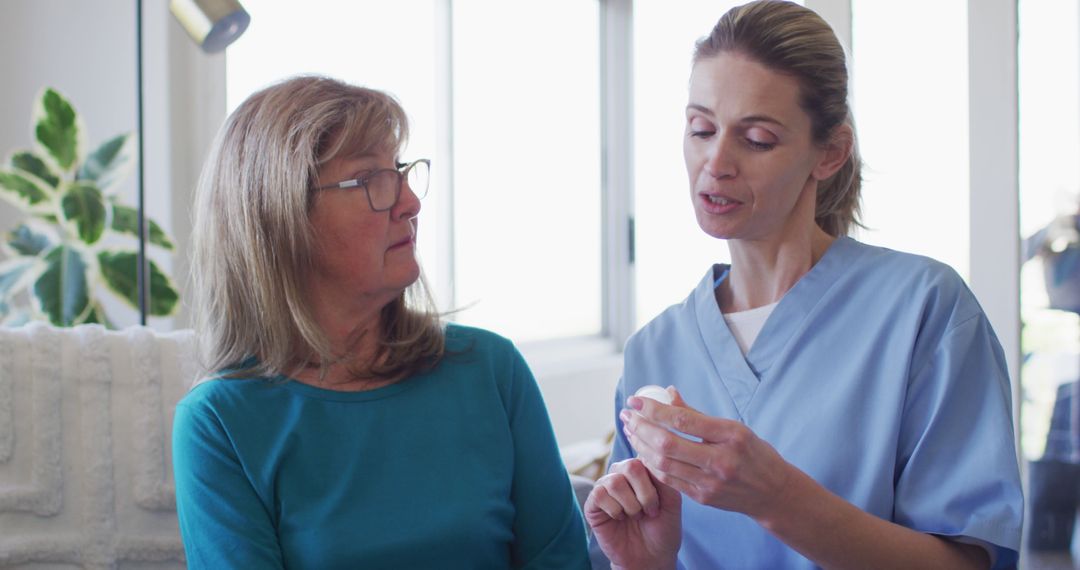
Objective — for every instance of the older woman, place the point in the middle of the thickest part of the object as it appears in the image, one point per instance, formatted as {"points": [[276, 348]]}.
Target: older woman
{"points": [[835, 404], [341, 424]]}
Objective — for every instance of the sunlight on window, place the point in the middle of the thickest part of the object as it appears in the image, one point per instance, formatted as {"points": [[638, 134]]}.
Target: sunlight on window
{"points": [[1049, 115], [527, 167], [911, 114], [1049, 184]]}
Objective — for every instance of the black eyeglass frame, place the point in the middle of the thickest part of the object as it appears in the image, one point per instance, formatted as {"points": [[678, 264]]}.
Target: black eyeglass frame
{"points": [[402, 172]]}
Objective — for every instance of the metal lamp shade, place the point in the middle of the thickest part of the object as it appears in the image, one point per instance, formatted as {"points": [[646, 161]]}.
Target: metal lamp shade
{"points": [[213, 24]]}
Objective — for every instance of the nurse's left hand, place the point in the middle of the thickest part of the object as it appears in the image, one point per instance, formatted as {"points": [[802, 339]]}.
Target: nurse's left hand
{"points": [[730, 469]]}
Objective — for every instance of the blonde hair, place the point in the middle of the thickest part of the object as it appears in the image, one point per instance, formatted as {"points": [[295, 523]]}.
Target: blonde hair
{"points": [[795, 41], [253, 240]]}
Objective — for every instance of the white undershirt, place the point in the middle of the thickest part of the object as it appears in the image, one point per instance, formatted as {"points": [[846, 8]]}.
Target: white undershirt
{"points": [[746, 325]]}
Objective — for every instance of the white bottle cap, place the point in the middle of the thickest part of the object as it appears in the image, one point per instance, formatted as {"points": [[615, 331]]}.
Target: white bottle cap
{"points": [[654, 392]]}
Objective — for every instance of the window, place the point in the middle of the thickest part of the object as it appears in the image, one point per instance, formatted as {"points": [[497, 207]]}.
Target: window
{"points": [[527, 167], [1049, 185], [292, 38], [671, 251], [911, 114], [510, 230]]}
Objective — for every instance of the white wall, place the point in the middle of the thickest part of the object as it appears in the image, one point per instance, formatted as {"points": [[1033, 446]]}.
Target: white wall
{"points": [[182, 83], [83, 49], [86, 50], [994, 211]]}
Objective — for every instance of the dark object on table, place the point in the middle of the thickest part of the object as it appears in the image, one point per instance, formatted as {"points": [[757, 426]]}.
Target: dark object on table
{"points": [[1054, 487], [1063, 439], [1054, 480]]}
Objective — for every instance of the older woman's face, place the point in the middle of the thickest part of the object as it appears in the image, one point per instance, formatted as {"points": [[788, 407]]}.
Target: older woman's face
{"points": [[362, 255], [748, 149]]}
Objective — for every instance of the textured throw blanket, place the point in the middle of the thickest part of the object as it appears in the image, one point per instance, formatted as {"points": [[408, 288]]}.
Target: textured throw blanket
{"points": [[85, 426]]}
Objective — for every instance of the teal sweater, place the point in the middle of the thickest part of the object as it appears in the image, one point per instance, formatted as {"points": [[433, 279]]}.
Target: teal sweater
{"points": [[456, 467]]}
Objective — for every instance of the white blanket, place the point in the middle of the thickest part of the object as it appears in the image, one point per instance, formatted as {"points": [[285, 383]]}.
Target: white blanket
{"points": [[85, 459]]}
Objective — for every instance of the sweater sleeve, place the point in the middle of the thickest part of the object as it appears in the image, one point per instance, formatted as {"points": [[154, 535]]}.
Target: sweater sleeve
{"points": [[549, 531], [223, 523]]}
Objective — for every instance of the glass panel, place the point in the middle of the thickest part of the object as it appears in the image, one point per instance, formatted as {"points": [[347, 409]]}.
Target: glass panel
{"points": [[1049, 91], [672, 253], [527, 167], [359, 42], [911, 114]]}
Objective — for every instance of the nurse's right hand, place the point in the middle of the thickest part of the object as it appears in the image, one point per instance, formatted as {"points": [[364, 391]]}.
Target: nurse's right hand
{"points": [[637, 520]]}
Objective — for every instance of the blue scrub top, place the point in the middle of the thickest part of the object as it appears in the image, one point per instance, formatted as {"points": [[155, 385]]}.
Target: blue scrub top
{"points": [[877, 374]]}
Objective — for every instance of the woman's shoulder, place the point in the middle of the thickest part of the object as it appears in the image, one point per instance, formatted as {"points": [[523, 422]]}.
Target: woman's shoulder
{"points": [[912, 278], [483, 359], [876, 264], [216, 393], [891, 262], [468, 346], [464, 337]]}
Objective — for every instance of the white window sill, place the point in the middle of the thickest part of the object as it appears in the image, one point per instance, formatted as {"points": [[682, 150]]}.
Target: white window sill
{"points": [[577, 377], [571, 355]]}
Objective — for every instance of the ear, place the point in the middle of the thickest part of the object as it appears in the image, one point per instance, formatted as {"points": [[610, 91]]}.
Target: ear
{"points": [[837, 151]]}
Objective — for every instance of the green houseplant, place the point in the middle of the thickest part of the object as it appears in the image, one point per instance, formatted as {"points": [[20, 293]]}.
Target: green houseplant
{"points": [[76, 237]]}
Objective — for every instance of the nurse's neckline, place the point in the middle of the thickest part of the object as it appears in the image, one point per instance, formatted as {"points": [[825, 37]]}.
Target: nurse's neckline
{"points": [[727, 305]]}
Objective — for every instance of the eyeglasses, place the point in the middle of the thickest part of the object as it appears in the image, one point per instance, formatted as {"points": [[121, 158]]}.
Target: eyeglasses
{"points": [[383, 186]]}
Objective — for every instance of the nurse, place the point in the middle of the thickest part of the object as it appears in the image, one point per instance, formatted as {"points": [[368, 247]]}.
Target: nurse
{"points": [[835, 404]]}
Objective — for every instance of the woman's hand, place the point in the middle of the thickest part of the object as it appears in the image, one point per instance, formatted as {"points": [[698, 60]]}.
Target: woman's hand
{"points": [[733, 469], [730, 468], [636, 519]]}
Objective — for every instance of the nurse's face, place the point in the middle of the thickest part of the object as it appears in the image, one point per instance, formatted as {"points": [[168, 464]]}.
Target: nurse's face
{"points": [[748, 150]]}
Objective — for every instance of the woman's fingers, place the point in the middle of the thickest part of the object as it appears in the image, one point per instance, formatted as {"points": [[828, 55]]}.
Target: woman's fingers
{"points": [[601, 501], [712, 470], [636, 476], [680, 417], [680, 475], [676, 397], [626, 491], [659, 442]]}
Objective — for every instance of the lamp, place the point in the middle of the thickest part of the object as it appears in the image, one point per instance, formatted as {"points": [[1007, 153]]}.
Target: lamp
{"points": [[213, 24]]}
